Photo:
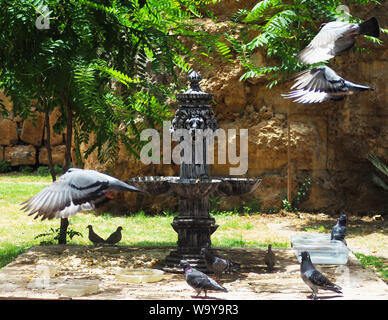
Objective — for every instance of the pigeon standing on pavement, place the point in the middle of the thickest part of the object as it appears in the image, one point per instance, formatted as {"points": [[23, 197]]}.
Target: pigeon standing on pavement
{"points": [[335, 38], [74, 191], [270, 258], [338, 232], [198, 280], [218, 265], [320, 84], [313, 278], [94, 237], [115, 237]]}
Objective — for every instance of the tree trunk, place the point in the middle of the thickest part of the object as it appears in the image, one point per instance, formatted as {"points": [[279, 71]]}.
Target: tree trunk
{"points": [[63, 231], [69, 133], [48, 144]]}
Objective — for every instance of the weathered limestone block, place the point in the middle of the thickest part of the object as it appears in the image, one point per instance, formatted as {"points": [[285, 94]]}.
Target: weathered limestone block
{"points": [[8, 132], [58, 154], [33, 134], [20, 155], [55, 138]]}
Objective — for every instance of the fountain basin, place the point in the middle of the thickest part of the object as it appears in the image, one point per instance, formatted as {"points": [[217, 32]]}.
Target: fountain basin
{"points": [[236, 186], [153, 185], [175, 186], [193, 188]]}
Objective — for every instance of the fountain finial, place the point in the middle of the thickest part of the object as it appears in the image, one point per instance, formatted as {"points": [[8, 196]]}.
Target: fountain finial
{"points": [[194, 79]]}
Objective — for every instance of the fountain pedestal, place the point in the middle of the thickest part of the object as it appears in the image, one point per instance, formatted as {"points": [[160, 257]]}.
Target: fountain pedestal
{"points": [[194, 186]]}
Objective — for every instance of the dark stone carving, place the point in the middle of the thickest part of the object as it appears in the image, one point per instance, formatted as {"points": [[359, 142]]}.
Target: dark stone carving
{"points": [[194, 186]]}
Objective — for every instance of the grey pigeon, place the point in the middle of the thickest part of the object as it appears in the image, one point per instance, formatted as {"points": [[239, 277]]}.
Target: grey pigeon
{"points": [[115, 237], [270, 258], [218, 265], [320, 84], [74, 191], [313, 278], [198, 280], [94, 237], [335, 38], [338, 232]]}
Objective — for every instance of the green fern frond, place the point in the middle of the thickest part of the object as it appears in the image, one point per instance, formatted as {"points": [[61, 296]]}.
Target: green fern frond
{"points": [[380, 165], [259, 9]]}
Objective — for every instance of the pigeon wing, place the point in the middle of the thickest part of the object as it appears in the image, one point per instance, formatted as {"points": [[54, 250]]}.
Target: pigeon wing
{"points": [[199, 280], [322, 282], [220, 265], [334, 38], [72, 192]]}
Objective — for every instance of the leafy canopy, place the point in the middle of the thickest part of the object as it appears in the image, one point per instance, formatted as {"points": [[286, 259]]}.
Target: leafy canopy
{"points": [[102, 62]]}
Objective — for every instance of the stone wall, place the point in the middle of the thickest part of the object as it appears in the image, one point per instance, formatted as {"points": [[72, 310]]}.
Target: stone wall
{"points": [[23, 143], [329, 141]]}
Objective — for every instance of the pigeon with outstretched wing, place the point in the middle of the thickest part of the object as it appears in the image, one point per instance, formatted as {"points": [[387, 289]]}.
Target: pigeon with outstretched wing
{"points": [[76, 190], [320, 84], [335, 38]]}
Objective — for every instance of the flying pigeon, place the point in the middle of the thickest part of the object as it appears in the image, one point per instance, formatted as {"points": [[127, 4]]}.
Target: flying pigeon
{"points": [[74, 191], [313, 278], [321, 84], [335, 38], [115, 237], [270, 258], [94, 237], [338, 232], [199, 281], [217, 264]]}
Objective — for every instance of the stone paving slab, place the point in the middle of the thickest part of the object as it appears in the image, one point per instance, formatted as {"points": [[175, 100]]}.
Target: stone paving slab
{"points": [[22, 279]]}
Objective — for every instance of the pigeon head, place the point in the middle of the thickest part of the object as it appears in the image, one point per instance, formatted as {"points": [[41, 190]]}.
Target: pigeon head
{"points": [[343, 219], [305, 256], [184, 264], [203, 250], [322, 25], [119, 228], [269, 246], [89, 226]]}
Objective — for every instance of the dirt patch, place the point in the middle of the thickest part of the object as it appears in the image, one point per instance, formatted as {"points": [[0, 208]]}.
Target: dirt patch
{"points": [[103, 263]]}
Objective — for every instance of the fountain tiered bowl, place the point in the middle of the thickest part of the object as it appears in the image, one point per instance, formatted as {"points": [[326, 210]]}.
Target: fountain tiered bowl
{"points": [[193, 188]]}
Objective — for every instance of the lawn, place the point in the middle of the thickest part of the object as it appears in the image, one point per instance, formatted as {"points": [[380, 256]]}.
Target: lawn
{"points": [[367, 237]]}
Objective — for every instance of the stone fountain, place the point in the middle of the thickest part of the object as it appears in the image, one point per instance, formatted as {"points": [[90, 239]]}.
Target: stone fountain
{"points": [[194, 186]]}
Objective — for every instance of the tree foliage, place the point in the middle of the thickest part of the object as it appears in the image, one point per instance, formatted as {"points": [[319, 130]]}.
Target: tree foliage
{"points": [[100, 61]]}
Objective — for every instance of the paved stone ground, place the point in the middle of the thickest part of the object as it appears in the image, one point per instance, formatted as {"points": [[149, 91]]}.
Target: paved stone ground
{"points": [[102, 263]]}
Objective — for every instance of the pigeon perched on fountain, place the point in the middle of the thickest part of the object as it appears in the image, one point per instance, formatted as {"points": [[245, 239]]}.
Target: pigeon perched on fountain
{"points": [[218, 265], [270, 258], [94, 237], [335, 38], [199, 281], [115, 237], [76, 190], [320, 84], [338, 232], [313, 278]]}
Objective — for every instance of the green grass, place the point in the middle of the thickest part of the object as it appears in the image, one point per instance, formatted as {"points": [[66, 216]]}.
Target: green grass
{"points": [[377, 264], [24, 177]]}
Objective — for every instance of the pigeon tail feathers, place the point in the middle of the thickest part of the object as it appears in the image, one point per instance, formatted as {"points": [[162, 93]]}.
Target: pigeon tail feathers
{"points": [[370, 28]]}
